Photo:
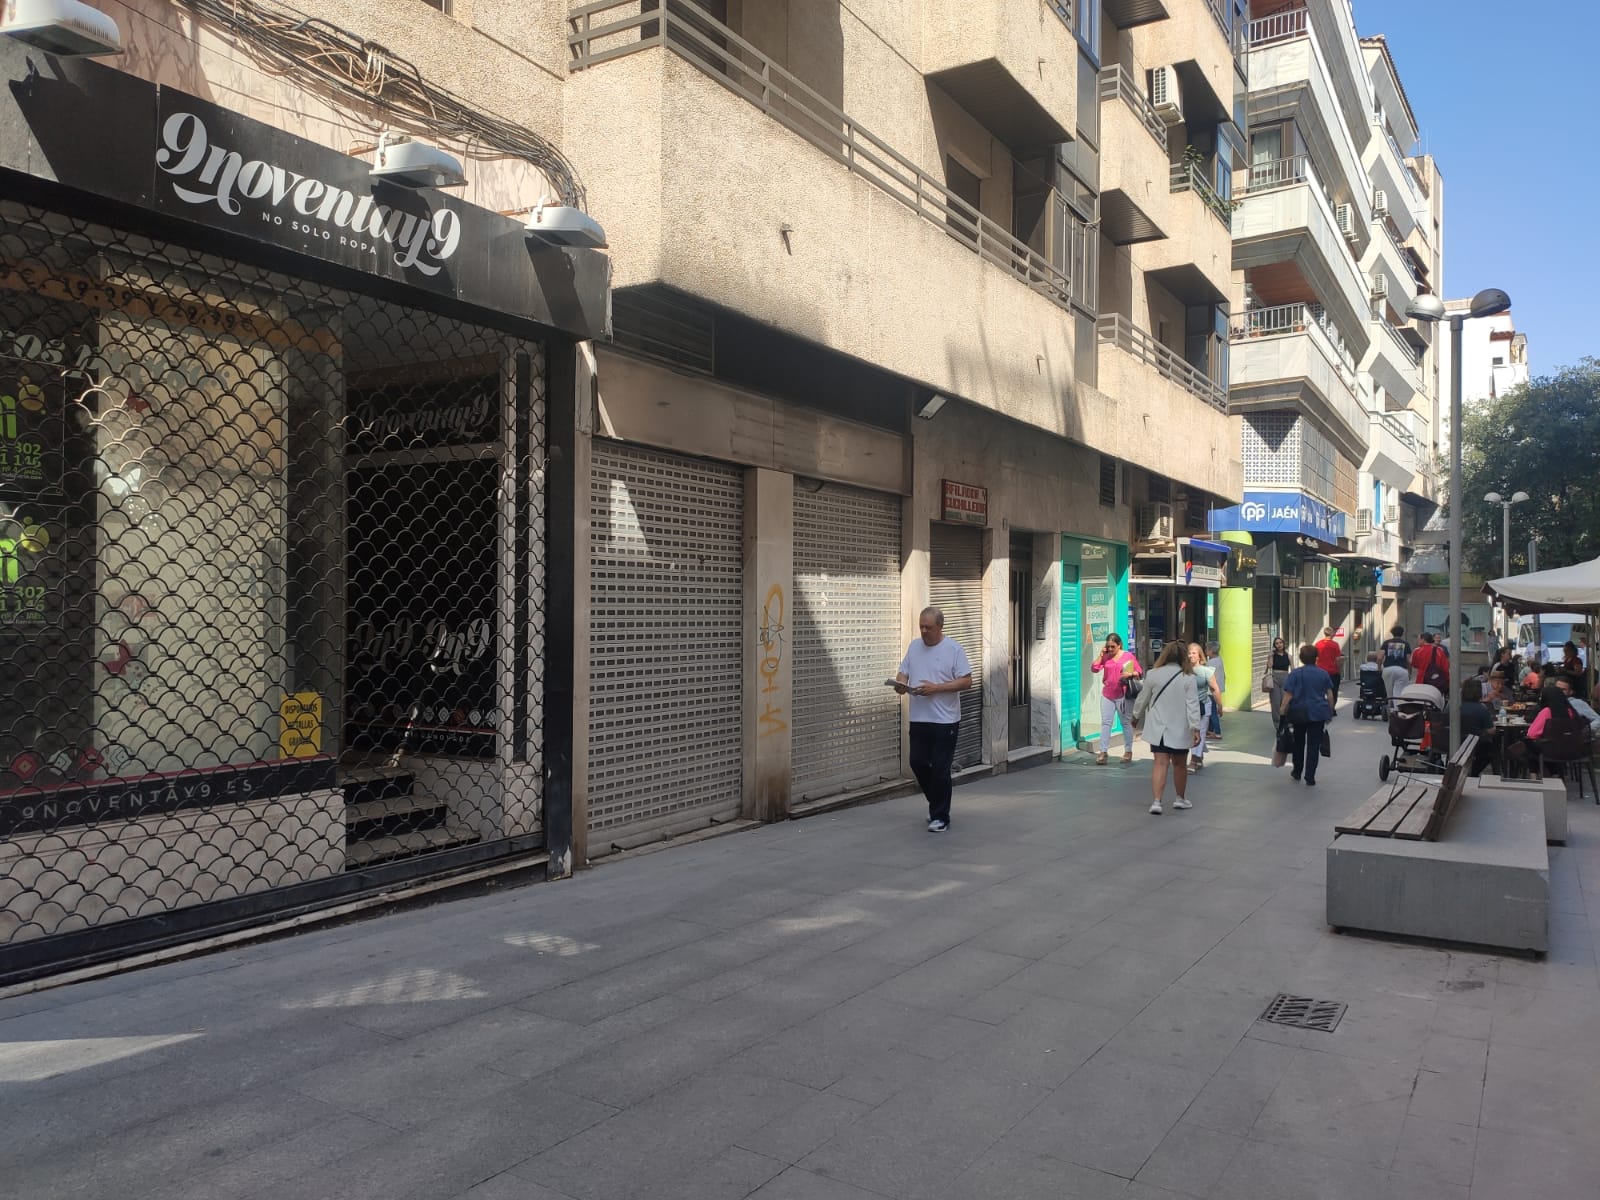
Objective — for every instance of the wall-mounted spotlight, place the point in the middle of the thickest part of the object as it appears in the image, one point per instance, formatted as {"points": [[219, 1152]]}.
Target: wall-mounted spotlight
{"points": [[65, 28], [404, 160], [560, 225], [930, 407]]}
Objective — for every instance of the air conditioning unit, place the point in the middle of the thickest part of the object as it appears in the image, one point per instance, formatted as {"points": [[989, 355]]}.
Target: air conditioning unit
{"points": [[1154, 522], [1380, 286], [1345, 214], [1164, 95], [1380, 202], [1363, 520]]}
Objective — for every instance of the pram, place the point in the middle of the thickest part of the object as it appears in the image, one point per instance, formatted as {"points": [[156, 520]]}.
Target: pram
{"points": [[1373, 699], [1413, 715]]}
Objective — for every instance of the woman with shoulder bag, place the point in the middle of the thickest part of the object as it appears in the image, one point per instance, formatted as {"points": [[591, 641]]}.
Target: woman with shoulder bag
{"points": [[1118, 669], [1168, 714], [1277, 671], [1308, 707]]}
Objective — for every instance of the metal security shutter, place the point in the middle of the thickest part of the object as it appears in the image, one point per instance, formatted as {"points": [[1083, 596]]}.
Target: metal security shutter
{"points": [[666, 600], [956, 588], [845, 619], [1260, 635], [1071, 654]]}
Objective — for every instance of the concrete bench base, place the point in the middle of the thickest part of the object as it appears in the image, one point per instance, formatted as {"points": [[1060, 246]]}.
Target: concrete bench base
{"points": [[1552, 792], [1486, 882]]}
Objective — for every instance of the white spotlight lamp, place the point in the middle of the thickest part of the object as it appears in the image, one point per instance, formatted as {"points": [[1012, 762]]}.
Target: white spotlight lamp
{"points": [[404, 160], [563, 225], [65, 28]]}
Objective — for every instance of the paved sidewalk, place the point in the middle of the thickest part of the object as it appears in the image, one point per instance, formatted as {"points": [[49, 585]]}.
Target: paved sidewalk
{"points": [[1059, 999]]}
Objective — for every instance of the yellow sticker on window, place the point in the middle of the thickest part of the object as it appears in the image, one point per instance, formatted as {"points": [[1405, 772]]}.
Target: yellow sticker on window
{"points": [[301, 736]]}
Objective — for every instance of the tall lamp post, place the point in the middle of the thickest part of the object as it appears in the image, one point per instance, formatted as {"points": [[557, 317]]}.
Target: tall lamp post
{"points": [[1430, 308], [1505, 533]]}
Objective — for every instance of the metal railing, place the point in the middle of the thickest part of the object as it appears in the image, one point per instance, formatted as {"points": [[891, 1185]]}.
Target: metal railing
{"points": [[1220, 16], [1407, 179], [1186, 177], [740, 67], [1117, 81], [1116, 330], [1397, 427], [1281, 320], [1406, 348], [1062, 9], [1279, 27], [1275, 173]]}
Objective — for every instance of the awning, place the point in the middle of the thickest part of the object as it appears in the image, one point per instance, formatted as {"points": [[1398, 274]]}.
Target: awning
{"points": [[1214, 547], [1563, 589]]}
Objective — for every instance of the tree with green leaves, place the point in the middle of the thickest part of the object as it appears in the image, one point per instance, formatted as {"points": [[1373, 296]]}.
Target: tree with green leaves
{"points": [[1544, 439]]}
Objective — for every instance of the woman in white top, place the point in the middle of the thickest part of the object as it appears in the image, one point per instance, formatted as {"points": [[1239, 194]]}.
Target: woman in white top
{"points": [[1168, 714]]}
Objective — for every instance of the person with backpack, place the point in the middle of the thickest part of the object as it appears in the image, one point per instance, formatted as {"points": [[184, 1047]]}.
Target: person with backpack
{"points": [[1395, 657], [1431, 664]]}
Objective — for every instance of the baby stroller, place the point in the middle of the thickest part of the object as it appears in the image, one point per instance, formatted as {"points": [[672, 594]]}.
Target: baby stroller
{"points": [[1412, 716], [1373, 699]]}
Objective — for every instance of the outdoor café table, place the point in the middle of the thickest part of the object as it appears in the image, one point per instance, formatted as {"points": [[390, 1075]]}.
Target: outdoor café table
{"points": [[1509, 732]]}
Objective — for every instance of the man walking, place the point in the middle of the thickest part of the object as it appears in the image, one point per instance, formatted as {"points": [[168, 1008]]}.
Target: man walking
{"points": [[1329, 656], [934, 673], [1396, 659]]}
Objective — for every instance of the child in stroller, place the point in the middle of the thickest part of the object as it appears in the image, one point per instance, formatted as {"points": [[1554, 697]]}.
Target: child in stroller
{"points": [[1373, 699], [1412, 717]]}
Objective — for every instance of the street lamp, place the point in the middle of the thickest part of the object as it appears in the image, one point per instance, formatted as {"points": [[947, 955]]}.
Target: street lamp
{"points": [[1425, 307], [1505, 526]]}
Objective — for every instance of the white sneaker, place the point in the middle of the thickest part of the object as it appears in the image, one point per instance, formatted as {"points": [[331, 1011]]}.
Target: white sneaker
{"points": [[1180, 802], [1155, 808], [938, 826]]}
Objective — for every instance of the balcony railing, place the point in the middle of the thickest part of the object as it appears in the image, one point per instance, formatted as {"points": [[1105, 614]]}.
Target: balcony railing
{"points": [[737, 65], [1062, 9], [1116, 330], [1116, 81], [1397, 427], [1279, 27], [1281, 320], [1406, 349], [1275, 173], [1186, 177], [1399, 247]]}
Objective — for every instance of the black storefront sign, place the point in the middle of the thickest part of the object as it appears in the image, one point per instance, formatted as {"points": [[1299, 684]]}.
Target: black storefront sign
{"points": [[185, 157], [33, 810], [33, 406], [1242, 563]]}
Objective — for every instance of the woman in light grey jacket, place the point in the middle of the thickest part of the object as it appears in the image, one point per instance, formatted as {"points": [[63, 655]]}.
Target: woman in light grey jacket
{"points": [[1168, 714]]}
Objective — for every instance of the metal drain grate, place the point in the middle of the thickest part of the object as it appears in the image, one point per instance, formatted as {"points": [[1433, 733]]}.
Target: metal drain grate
{"points": [[1304, 1013]]}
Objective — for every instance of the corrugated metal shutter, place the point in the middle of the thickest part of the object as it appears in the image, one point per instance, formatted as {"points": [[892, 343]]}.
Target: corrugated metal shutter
{"points": [[1260, 636], [666, 603], [1071, 655], [956, 589], [845, 619]]}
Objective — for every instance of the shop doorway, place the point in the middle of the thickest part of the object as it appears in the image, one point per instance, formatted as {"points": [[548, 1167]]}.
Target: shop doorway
{"points": [[955, 588], [1019, 697]]}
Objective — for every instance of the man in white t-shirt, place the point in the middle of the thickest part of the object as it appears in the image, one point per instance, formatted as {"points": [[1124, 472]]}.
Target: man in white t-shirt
{"points": [[934, 673]]}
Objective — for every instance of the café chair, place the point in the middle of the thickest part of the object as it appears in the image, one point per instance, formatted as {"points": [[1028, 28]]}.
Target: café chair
{"points": [[1573, 752]]}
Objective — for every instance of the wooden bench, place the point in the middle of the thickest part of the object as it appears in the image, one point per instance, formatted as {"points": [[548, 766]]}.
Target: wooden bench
{"points": [[1411, 810]]}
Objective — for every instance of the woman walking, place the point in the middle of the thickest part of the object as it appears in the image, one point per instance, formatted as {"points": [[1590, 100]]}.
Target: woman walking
{"points": [[1115, 666], [1308, 706], [1278, 670], [1168, 713], [1205, 680]]}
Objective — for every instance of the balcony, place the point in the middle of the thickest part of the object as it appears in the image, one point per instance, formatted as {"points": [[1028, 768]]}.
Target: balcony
{"points": [[1288, 357], [1387, 168], [1388, 268], [835, 238], [1153, 409], [1290, 80], [1394, 453], [1187, 176], [1133, 152], [1125, 14], [1330, 28], [1393, 363], [988, 58], [1285, 217], [1194, 40]]}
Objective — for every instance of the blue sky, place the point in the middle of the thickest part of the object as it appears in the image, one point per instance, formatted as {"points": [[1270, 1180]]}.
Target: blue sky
{"points": [[1505, 95]]}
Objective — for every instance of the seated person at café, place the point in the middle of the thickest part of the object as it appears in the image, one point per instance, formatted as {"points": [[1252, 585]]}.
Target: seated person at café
{"points": [[1498, 693], [1581, 707], [1556, 715], [1532, 680], [1572, 668], [1476, 718]]}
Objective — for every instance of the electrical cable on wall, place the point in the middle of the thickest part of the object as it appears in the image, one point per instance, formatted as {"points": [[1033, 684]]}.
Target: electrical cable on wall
{"points": [[372, 72]]}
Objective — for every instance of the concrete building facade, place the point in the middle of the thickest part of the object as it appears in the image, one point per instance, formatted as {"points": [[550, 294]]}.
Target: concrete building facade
{"points": [[562, 549], [1339, 229]]}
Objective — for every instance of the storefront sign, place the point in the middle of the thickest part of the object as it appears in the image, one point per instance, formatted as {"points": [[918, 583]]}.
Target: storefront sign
{"points": [[187, 158], [32, 420], [1097, 611], [1242, 562], [1281, 512], [1202, 566], [31, 810], [458, 411], [965, 502]]}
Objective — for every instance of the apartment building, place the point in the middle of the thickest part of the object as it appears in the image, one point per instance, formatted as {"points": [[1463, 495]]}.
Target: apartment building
{"points": [[383, 532], [1339, 228]]}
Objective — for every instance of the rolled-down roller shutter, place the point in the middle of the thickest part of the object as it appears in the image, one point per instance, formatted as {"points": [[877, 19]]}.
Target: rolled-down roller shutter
{"points": [[666, 600], [1260, 634], [956, 589], [845, 619]]}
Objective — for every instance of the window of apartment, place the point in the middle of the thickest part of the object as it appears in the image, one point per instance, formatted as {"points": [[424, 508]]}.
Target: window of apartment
{"points": [[968, 188], [1108, 481], [1159, 489], [1088, 100]]}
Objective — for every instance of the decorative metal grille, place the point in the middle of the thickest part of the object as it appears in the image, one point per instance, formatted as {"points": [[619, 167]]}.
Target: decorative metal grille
{"points": [[271, 582], [1272, 451]]}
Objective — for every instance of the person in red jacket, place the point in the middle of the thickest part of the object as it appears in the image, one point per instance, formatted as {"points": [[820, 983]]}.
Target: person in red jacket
{"points": [[1329, 656], [1430, 663]]}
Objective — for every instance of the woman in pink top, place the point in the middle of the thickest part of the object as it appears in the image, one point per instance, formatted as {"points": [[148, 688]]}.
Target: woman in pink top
{"points": [[1113, 665], [1558, 710]]}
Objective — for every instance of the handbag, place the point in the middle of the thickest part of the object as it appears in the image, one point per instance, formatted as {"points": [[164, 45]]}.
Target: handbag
{"points": [[1132, 685], [1266, 684], [1327, 745]]}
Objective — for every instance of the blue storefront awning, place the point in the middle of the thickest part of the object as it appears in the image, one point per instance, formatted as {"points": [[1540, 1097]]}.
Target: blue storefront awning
{"points": [[1282, 512], [1214, 547]]}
